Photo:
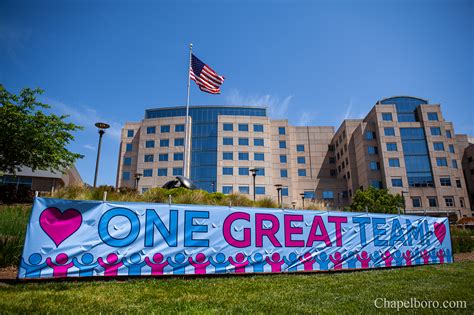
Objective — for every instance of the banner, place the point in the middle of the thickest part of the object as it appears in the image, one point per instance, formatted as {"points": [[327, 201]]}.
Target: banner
{"points": [[90, 238]]}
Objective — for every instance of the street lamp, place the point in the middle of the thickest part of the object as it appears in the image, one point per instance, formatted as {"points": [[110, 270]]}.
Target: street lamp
{"points": [[254, 174], [278, 188], [302, 198], [102, 126], [137, 179], [404, 201], [293, 204]]}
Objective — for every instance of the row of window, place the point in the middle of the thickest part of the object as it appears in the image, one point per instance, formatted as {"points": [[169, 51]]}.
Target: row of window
{"points": [[390, 132], [176, 171], [164, 143], [397, 182], [163, 157], [152, 129], [259, 190], [243, 156], [242, 171], [433, 201], [242, 127], [258, 142], [432, 116]]}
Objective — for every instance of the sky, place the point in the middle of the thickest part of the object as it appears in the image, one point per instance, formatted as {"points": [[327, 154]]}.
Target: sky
{"points": [[312, 62]]}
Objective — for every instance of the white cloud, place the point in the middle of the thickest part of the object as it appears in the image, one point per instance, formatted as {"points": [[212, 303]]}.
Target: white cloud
{"points": [[347, 115], [89, 147], [277, 107]]}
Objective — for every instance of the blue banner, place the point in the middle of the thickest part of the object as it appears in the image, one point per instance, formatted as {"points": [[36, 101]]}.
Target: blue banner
{"points": [[67, 238]]}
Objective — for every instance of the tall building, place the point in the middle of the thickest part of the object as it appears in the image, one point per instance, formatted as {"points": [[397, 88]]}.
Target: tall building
{"points": [[403, 144], [466, 146]]}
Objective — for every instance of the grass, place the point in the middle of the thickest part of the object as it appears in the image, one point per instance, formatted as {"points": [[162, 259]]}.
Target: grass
{"points": [[13, 222], [310, 293]]}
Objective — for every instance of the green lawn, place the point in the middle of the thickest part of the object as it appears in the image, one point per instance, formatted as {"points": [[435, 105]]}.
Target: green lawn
{"points": [[347, 292]]}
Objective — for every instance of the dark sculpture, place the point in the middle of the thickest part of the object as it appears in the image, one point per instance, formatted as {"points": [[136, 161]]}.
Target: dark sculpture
{"points": [[180, 181]]}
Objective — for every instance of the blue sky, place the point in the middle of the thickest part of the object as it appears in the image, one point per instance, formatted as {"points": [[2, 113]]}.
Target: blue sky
{"points": [[313, 62]]}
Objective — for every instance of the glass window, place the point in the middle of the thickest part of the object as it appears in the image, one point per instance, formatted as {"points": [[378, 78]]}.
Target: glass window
{"points": [[301, 172], [164, 143], [243, 156], [243, 141], [130, 133], [258, 128], [258, 142], [228, 141], [432, 201], [126, 175], [300, 148], [227, 155], [179, 128], [333, 172], [148, 158], [177, 171], [416, 201], [451, 148], [448, 134], [129, 147], [228, 127], [145, 189], [178, 156], [243, 127], [227, 190], [394, 162], [389, 131], [332, 160], [162, 172], [163, 157], [281, 131], [151, 130], [150, 144], [282, 144], [387, 116], [397, 182], [374, 165], [259, 156], [433, 116], [435, 131], [454, 163], [376, 184], [244, 189], [244, 171], [445, 181], [147, 172], [458, 183], [284, 191], [328, 195], [372, 150], [283, 173], [370, 135], [441, 161], [301, 160], [227, 171], [449, 201], [331, 148], [165, 129], [438, 146], [283, 159], [260, 190], [391, 146], [260, 171], [179, 142], [127, 161]]}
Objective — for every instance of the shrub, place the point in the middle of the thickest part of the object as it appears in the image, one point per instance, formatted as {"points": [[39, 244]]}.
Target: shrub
{"points": [[462, 240]]}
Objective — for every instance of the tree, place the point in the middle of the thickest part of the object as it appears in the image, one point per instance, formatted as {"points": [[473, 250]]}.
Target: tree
{"points": [[376, 200], [29, 137]]}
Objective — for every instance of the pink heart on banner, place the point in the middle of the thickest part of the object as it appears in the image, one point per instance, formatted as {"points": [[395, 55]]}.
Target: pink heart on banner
{"points": [[440, 231], [60, 225]]}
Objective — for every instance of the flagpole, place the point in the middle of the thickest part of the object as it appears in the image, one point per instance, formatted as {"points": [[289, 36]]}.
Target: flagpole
{"points": [[186, 135]]}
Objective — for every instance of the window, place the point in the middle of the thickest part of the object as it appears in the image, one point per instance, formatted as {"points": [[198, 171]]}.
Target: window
{"points": [[129, 147], [435, 131], [227, 171], [244, 189], [163, 157], [284, 191], [372, 150], [244, 171], [126, 175], [282, 144], [394, 162], [438, 146], [127, 161], [228, 141], [227, 155], [178, 156], [259, 156], [332, 160], [281, 131], [374, 165], [449, 201], [243, 156], [165, 129], [454, 163], [301, 160], [397, 182], [370, 135], [458, 183], [445, 181], [300, 148], [257, 128], [162, 172], [448, 134], [179, 128], [243, 127], [331, 147], [148, 172], [228, 127], [243, 141], [348, 175], [151, 130], [387, 116], [145, 189], [260, 171], [164, 143], [432, 202], [441, 161], [283, 159], [461, 202], [150, 144], [130, 133], [283, 173], [333, 172], [177, 171], [391, 146], [416, 202], [451, 148], [433, 116], [258, 142], [226, 190], [376, 184], [260, 190], [148, 158], [301, 172], [389, 131], [179, 142], [328, 195]]}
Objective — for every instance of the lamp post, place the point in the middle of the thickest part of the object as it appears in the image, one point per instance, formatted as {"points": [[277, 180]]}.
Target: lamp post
{"points": [[278, 188], [254, 174], [137, 179], [213, 184], [404, 201], [293, 204], [102, 126], [302, 198]]}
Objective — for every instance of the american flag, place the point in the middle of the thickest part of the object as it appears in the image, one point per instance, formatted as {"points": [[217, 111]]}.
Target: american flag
{"points": [[206, 78]]}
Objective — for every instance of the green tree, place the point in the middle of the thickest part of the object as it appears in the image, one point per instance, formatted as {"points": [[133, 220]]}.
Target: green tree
{"points": [[30, 137], [376, 200]]}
